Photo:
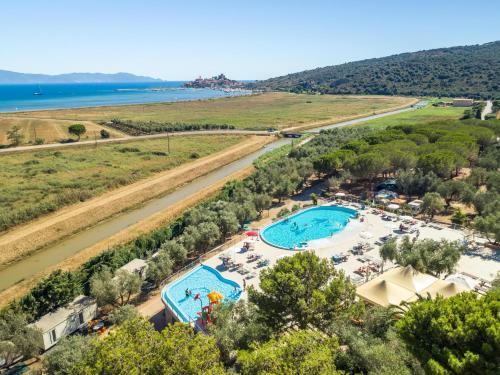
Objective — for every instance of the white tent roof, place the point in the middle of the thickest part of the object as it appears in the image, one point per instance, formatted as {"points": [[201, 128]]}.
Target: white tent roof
{"points": [[405, 284]]}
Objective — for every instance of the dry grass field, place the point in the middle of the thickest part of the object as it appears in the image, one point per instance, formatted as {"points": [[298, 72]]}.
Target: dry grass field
{"points": [[50, 130], [276, 110], [24, 239], [35, 183]]}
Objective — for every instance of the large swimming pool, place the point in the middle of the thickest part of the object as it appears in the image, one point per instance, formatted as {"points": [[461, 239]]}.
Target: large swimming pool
{"points": [[202, 280], [311, 224]]}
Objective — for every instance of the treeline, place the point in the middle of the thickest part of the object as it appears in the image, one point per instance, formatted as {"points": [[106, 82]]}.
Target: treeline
{"points": [[151, 127], [470, 71], [426, 161]]}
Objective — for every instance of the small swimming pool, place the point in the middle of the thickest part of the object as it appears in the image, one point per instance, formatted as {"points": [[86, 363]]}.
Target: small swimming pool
{"points": [[202, 280], [311, 224]]}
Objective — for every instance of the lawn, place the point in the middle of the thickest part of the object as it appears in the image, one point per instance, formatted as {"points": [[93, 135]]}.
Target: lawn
{"points": [[49, 130], [422, 115], [276, 110], [34, 183]]}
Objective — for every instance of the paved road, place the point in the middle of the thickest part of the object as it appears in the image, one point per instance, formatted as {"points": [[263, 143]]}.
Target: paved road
{"points": [[128, 139], [368, 118], [487, 109]]}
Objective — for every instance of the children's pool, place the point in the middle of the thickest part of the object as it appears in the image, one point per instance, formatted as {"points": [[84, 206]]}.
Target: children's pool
{"points": [[311, 224], [202, 280]]}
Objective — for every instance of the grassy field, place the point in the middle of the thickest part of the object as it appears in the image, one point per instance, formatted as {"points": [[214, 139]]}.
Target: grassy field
{"points": [[49, 130], [35, 183], [277, 110], [422, 115]]}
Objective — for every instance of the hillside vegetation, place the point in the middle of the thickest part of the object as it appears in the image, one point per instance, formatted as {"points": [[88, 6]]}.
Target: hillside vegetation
{"points": [[470, 71]]}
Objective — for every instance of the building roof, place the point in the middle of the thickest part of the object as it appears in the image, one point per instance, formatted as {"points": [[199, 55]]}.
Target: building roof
{"points": [[49, 321], [135, 265], [402, 284]]}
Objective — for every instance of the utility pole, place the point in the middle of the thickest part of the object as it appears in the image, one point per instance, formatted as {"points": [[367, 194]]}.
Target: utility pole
{"points": [[34, 131], [95, 138], [168, 142]]}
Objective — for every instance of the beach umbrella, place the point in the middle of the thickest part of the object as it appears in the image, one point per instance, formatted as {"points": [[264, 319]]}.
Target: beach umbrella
{"points": [[252, 233], [215, 296]]}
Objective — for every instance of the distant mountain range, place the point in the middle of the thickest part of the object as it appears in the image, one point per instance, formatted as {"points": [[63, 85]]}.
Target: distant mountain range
{"points": [[471, 71], [18, 78]]}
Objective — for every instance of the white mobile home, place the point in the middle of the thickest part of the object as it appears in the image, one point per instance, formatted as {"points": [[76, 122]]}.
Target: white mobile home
{"points": [[138, 266], [66, 320]]}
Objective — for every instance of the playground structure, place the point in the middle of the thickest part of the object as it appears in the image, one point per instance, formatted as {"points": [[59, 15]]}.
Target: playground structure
{"points": [[215, 298]]}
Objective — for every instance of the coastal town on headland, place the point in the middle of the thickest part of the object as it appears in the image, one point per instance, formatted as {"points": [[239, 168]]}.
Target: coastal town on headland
{"points": [[220, 82]]}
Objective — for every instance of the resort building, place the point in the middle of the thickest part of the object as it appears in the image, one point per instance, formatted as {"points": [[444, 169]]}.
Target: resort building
{"points": [[404, 284], [66, 320], [462, 102]]}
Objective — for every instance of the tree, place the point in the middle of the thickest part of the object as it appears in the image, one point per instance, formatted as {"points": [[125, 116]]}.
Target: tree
{"points": [[15, 136], [457, 335], [208, 235], [458, 217], [482, 200], [429, 256], [368, 166], [478, 177], [489, 226], [136, 347], [301, 352], [401, 160], [17, 339], [67, 356], [367, 353], [262, 202], [388, 251], [327, 163], [303, 291], [314, 199], [128, 284], [432, 203], [122, 314], [175, 250], [453, 190], [237, 326], [77, 129], [56, 290], [159, 267], [114, 290], [104, 134], [442, 163]]}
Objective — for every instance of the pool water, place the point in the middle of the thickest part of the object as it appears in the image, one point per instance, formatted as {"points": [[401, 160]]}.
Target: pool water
{"points": [[310, 224], [202, 280]]}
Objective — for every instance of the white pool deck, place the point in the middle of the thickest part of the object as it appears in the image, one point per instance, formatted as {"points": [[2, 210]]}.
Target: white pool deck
{"points": [[484, 266]]}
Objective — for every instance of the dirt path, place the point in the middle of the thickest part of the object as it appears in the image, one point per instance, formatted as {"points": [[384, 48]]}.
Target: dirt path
{"points": [[23, 240], [124, 236]]}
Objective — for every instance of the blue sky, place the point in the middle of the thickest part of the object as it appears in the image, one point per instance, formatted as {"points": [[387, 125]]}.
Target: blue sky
{"points": [[177, 40]]}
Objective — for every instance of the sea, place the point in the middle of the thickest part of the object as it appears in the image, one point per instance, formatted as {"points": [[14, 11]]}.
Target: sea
{"points": [[16, 98]]}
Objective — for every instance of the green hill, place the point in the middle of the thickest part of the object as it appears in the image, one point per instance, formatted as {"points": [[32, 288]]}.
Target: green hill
{"points": [[471, 71]]}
